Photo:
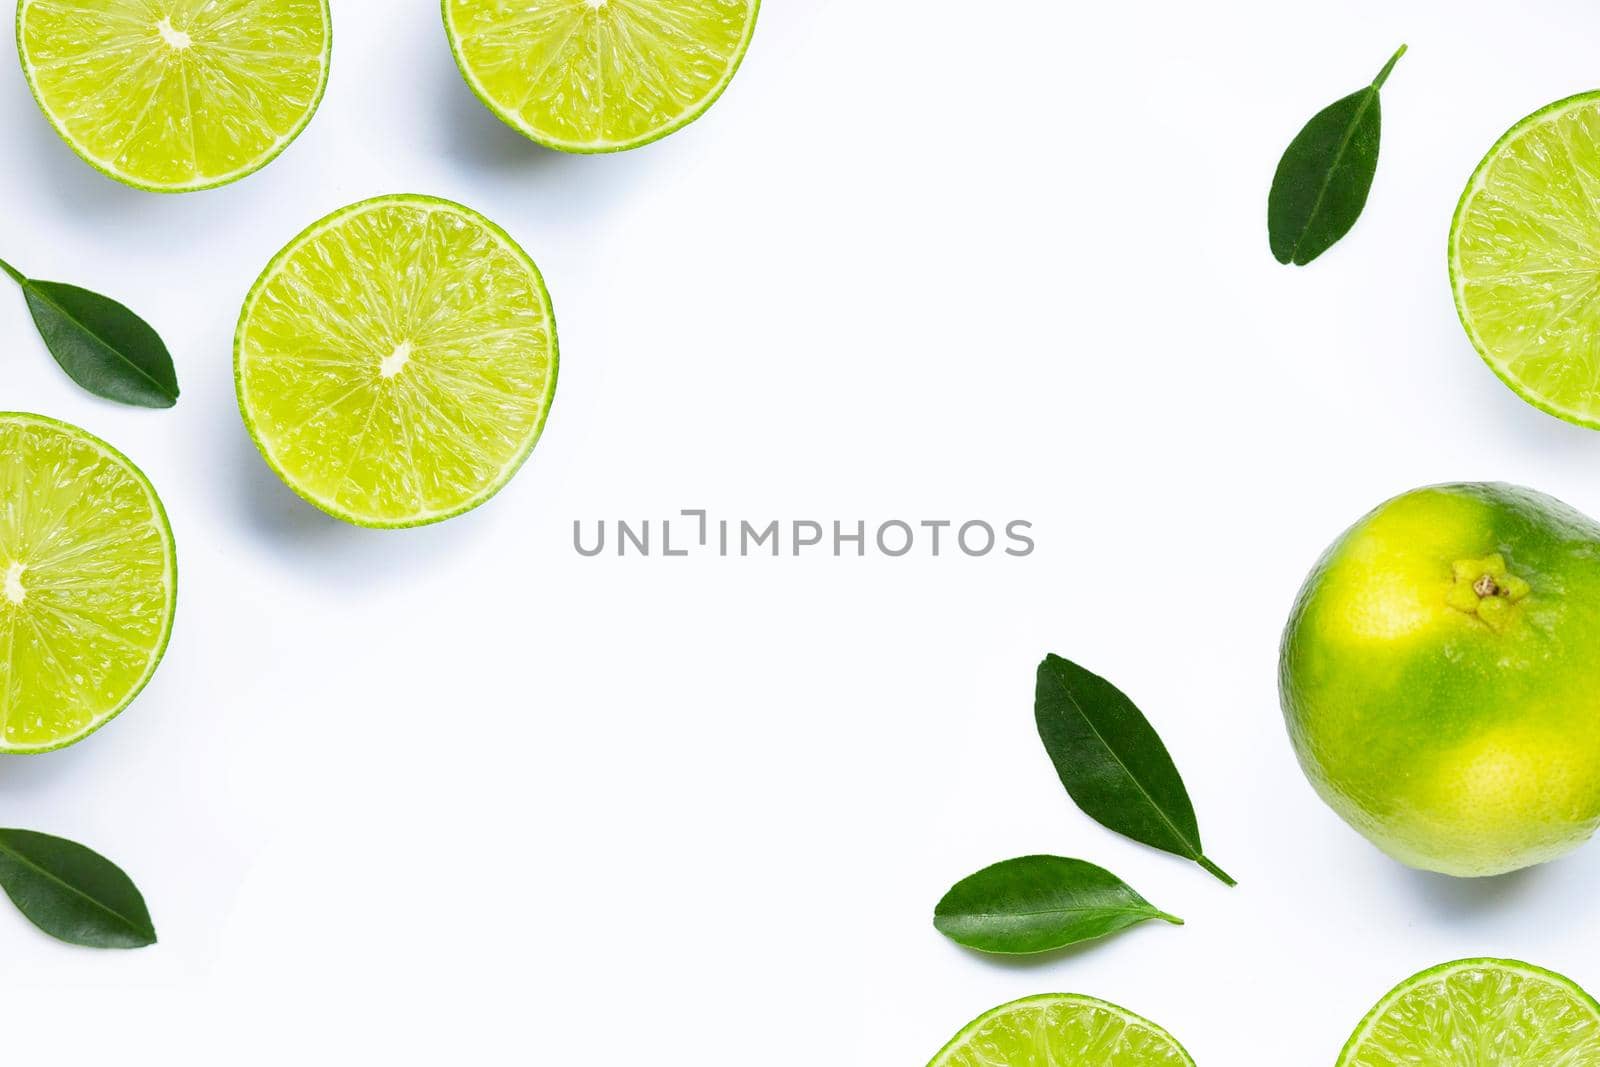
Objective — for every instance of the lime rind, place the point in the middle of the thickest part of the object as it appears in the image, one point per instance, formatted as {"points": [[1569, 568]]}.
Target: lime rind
{"points": [[945, 1056], [279, 146], [328, 222], [1458, 280], [559, 144], [1440, 975], [163, 525]]}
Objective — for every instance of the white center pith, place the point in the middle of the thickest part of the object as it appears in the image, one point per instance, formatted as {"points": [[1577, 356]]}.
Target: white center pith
{"points": [[13, 590], [596, 4], [395, 361], [175, 38]]}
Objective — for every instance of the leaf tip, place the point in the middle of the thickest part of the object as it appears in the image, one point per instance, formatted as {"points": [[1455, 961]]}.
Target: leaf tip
{"points": [[1292, 254], [1054, 663]]}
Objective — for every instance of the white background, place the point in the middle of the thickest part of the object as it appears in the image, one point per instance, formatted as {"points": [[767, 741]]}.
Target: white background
{"points": [[459, 795]]}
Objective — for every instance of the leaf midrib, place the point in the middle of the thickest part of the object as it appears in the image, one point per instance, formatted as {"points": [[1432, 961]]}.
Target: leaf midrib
{"points": [[1151, 911], [1194, 847], [69, 887]]}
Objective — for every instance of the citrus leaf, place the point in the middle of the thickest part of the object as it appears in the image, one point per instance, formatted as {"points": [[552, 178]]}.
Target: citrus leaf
{"points": [[1039, 903], [72, 893], [1325, 175], [1112, 761], [102, 346]]}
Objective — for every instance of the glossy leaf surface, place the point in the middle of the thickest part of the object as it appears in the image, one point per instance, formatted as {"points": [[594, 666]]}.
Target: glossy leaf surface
{"points": [[1112, 761], [1038, 903], [72, 893]]}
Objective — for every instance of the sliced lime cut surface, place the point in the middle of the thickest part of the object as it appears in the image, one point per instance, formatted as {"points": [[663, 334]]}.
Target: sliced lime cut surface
{"points": [[1061, 1030], [1525, 259], [395, 363], [599, 75], [176, 95], [88, 583], [1480, 1013]]}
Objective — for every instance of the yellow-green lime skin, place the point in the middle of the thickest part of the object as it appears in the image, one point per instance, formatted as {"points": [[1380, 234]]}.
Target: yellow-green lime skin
{"points": [[174, 96], [1440, 681], [396, 362], [1061, 1030], [88, 583], [599, 75], [1480, 1013], [1525, 259]]}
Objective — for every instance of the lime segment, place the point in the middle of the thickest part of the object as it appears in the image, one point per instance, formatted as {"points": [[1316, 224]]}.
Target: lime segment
{"points": [[1061, 1030], [176, 95], [1525, 259], [1480, 1013], [88, 582], [599, 75], [395, 363]]}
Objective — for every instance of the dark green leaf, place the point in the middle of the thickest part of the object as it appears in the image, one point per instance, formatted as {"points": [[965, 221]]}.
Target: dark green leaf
{"points": [[1113, 762], [1325, 175], [1039, 903], [101, 345], [72, 893]]}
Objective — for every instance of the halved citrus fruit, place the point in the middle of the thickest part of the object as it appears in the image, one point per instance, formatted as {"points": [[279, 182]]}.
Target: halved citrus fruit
{"points": [[88, 583], [176, 95], [599, 75], [1525, 259], [396, 362], [1480, 1013], [1061, 1030]]}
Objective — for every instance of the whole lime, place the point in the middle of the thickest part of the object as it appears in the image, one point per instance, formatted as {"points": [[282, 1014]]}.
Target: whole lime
{"points": [[1440, 677]]}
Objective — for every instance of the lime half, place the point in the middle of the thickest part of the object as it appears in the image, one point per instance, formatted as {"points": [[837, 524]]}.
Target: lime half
{"points": [[1061, 1030], [1525, 259], [599, 75], [1480, 1013], [395, 363], [176, 95], [88, 582]]}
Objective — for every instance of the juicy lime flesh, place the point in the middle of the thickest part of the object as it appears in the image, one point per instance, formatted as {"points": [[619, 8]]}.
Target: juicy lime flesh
{"points": [[1525, 259], [1062, 1031], [1457, 742], [594, 75], [176, 94], [87, 583], [1480, 1013], [396, 361]]}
